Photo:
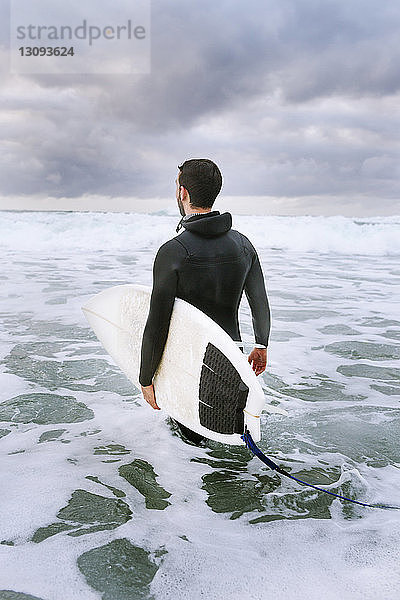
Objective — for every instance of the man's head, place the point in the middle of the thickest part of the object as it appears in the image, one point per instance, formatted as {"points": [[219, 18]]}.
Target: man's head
{"points": [[202, 180]]}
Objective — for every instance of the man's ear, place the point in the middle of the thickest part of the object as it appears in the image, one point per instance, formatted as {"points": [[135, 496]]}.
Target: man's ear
{"points": [[184, 193]]}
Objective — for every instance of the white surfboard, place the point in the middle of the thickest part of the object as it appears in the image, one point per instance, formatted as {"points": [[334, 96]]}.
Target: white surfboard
{"points": [[203, 380]]}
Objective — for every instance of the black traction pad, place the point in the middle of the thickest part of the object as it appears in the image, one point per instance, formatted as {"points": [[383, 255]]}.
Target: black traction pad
{"points": [[222, 393]]}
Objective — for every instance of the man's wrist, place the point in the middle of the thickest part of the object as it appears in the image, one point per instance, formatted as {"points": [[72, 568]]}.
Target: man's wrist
{"points": [[260, 346]]}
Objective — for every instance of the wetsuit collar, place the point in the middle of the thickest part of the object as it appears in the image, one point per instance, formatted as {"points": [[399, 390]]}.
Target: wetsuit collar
{"points": [[209, 224]]}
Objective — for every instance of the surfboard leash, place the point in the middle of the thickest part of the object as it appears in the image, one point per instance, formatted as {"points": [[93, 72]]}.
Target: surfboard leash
{"points": [[251, 445]]}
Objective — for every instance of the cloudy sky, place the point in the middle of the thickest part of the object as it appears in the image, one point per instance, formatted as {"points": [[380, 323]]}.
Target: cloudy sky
{"points": [[297, 101]]}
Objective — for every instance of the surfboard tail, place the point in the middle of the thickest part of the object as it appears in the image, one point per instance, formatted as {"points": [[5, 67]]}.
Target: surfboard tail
{"points": [[203, 380]]}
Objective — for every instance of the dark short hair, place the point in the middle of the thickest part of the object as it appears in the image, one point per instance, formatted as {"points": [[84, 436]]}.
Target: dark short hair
{"points": [[202, 179]]}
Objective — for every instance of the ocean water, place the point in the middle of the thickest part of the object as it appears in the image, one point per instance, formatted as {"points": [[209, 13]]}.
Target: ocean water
{"points": [[100, 498]]}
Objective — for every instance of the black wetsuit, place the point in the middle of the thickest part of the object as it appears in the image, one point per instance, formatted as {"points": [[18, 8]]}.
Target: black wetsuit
{"points": [[209, 265]]}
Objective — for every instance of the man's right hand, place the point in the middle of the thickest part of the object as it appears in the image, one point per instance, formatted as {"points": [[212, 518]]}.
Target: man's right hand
{"points": [[258, 360]]}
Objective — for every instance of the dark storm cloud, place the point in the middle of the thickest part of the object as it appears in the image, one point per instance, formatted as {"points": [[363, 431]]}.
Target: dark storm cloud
{"points": [[210, 56], [256, 85]]}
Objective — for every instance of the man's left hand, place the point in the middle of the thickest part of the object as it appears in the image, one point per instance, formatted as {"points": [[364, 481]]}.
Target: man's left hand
{"points": [[149, 396]]}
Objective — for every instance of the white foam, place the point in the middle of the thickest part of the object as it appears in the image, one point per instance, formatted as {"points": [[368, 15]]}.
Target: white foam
{"points": [[354, 558], [69, 231], [342, 235]]}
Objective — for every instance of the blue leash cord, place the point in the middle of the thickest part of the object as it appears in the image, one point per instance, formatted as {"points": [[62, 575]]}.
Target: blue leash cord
{"points": [[246, 437]]}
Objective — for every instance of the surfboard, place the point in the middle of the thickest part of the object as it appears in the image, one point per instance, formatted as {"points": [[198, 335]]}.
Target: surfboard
{"points": [[203, 380]]}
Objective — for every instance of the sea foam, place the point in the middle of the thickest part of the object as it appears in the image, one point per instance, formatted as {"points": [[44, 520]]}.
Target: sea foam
{"points": [[69, 231]]}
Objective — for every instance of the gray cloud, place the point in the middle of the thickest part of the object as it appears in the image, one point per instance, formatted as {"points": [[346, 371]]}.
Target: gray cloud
{"points": [[296, 99]]}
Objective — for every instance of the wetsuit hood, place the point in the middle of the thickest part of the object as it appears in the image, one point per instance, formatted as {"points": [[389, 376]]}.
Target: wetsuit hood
{"points": [[209, 224]]}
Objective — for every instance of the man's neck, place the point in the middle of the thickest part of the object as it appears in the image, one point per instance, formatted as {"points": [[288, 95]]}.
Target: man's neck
{"points": [[197, 211], [193, 214]]}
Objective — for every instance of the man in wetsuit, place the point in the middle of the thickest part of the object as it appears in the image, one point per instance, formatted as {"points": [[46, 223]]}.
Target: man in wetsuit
{"points": [[208, 265]]}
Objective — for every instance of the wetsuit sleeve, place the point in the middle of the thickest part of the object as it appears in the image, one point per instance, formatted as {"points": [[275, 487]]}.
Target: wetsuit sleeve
{"points": [[165, 281], [258, 301]]}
